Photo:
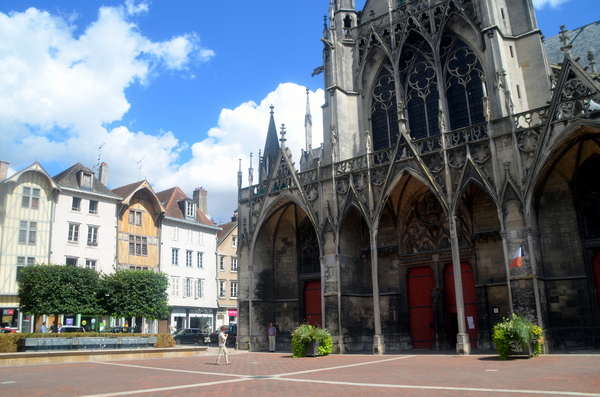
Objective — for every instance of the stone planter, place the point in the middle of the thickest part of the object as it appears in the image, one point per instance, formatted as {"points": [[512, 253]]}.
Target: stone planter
{"points": [[311, 349]]}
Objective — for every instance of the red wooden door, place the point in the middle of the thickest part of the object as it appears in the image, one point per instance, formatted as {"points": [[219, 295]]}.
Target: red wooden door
{"points": [[596, 270], [312, 303], [420, 282], [469, 298]]}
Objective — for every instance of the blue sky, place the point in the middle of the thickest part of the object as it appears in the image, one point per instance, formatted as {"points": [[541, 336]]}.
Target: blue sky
{"points": [[172, 91]]}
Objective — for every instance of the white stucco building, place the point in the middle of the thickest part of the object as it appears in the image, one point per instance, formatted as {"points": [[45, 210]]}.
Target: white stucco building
{"points": [[188, 256], [84, 230]]}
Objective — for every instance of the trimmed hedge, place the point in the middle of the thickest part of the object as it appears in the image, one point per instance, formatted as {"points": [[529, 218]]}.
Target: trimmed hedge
{"points": [[9, 342]]}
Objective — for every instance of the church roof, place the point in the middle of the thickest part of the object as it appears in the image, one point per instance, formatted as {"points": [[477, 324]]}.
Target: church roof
{"points": [[583, 40]]}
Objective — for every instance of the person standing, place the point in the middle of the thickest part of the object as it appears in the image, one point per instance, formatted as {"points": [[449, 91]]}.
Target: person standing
{"points": [[222, 346], [43, 327], [59, 328], [272, 332]]}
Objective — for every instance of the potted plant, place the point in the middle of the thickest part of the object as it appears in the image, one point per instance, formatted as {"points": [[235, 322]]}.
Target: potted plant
{"points": [[518, 334], [309, 340]]}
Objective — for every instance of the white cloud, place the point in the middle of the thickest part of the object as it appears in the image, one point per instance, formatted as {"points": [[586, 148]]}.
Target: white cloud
{"points": [[548, 3], [50, 78]]}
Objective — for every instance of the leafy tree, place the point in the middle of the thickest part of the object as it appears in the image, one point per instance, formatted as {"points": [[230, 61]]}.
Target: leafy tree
{"points": [[56, 289], [136, 293]]}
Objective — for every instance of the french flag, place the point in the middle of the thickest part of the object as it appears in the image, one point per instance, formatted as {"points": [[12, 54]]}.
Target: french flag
{"points": [[518, 259]]}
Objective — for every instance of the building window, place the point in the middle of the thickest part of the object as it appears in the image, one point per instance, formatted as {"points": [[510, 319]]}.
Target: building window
{"points": [[86, 179], [90, 264], [200, 288], [135, 217], [174, 286], [76, 204], [187, 287], [93, 207], [27, 232], [188, 259], [234, 264], [191, 209], [92, 237], [73, 236], [200, 265], [71, 261], [21, 261], [234, 241], [31, 198], [138, 268], [222, 291], [138, 245], [233, 289], [175, 233], [175, 256], [221, 263], [190, 236]]}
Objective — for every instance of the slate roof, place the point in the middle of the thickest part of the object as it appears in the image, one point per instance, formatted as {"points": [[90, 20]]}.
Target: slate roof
{"points": [[170, 199], [583, 39], [68, 179], [225, 231]]}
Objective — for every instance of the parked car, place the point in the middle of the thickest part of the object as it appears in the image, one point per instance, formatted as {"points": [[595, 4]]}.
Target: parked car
{"points": [[122, 330], [7, 330], [71, 328], [189, 335], [231, 338]]}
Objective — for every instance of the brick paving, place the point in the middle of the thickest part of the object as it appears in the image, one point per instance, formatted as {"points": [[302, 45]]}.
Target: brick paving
{"points": [[277, 374]]}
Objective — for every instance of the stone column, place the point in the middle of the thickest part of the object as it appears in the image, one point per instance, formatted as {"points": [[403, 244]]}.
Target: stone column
{"points": [[378, 345], [463, 346]]}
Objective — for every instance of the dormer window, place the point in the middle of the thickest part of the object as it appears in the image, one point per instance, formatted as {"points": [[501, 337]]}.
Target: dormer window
{"points": [[190, 209], [86, 179]]}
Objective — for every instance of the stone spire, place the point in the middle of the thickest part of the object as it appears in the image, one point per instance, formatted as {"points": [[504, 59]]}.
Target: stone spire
{"points": [[267, 162], [308, 123]]}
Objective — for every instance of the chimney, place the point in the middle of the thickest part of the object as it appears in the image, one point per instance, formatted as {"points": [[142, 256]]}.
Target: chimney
{"points": [[234, 217], [201, 198], [3, 170], [103, 174]]}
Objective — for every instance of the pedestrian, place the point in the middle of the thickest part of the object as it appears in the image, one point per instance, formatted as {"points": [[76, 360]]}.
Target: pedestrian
{"points": [[43, 327], [53, 328], [222, 346], [272, 332], [59, 327]]}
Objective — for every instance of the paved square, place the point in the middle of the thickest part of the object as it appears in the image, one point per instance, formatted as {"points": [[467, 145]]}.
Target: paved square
{"points": [[277, 374]]}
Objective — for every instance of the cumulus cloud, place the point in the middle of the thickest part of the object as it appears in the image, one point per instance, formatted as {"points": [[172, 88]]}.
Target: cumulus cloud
{"points": [[548, 3], [60, 92]]}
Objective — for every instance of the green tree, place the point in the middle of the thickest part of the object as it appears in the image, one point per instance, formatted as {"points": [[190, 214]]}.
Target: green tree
{"points": [[136, 293], [56, 289]]}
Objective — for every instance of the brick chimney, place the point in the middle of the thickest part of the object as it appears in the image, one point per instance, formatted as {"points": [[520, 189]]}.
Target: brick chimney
{"points": [[3, 170], [201, 198], [234, 218], [103, 174]]}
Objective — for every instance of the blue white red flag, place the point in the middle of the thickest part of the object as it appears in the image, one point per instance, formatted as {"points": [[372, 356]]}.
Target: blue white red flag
{"points": [[518, 259]]}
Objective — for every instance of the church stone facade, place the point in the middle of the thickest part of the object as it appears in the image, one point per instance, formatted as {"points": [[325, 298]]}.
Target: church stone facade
{"points": [[450, 143]]}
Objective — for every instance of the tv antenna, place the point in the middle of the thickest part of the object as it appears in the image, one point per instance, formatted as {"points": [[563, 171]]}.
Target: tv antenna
{"points": [[99, 155], [140, 168]]}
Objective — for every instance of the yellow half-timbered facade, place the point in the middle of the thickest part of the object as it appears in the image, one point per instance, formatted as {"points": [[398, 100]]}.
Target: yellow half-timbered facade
{"points": [[140, 214]]}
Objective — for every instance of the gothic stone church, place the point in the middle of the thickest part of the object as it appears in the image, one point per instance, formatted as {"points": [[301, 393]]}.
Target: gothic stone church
{"points": [[451, 142]]}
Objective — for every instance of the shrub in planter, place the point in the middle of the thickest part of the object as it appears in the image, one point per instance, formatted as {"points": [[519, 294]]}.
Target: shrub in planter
{"points": [[517, 334], [306, 334]]}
